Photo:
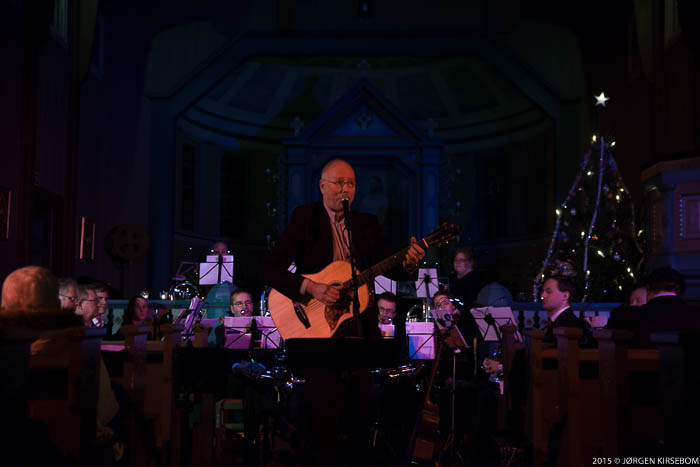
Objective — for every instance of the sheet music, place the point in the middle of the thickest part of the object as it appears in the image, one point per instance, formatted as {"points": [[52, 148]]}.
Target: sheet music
{"points": [[501, 315], [209, 271], [421, 340], [384, 284]]}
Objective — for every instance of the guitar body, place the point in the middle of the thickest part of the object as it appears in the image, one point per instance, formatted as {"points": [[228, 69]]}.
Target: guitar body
{"points": [[323, 321]]}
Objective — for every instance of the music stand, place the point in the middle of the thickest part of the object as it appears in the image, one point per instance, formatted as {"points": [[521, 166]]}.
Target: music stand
{"points": [[446, 321], [217, 269], [501, 316], [427, 283], [384, 284], [237, 333], [270, 336], [189, 317]]}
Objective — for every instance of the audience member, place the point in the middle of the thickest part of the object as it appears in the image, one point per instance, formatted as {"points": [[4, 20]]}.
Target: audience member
{"points": [[557, 293], [638, 296], [666, 309], [30, 289], [87, 303], [102, 293], [34, 289], [136, 311], [68, 294]]}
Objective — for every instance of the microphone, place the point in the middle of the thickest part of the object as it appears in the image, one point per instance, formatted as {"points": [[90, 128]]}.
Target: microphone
{"points": [[346, 205]]}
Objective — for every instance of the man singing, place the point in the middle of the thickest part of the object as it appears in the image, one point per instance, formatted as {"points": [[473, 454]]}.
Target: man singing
{"points": [[317, 234]]}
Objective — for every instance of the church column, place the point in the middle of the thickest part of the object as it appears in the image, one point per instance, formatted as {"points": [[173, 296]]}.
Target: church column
{"points": [[429, 214], [296, 178], [161, 208]]}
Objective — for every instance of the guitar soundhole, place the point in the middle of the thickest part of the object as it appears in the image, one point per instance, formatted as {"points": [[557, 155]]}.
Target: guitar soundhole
{"points": [[338, 309]]}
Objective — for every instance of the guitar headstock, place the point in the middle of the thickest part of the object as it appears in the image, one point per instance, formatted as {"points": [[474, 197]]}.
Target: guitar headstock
{"points": [[443, 233]]}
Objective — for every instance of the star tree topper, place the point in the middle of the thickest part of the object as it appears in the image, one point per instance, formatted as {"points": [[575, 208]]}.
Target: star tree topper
{"points": [[601, 100]]}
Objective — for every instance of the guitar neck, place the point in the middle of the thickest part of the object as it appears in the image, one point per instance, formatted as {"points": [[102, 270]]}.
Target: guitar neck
{"points": [[368, 275]]}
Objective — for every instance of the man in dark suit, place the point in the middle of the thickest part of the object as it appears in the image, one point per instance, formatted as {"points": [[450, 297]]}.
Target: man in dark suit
{"points": [[556, 301], [317, 235], [665, 310]]}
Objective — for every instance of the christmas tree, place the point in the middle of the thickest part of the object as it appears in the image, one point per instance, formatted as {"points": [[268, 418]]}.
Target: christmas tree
{"points": [[595, 239]]}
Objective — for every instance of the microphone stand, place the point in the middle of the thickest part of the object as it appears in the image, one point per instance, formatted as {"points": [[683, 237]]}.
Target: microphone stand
{"points": [[358, 329]]}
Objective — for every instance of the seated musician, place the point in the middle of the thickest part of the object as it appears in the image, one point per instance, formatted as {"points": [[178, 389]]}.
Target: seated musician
{"points": [[317, 235], [386, 305], [242, 303]]}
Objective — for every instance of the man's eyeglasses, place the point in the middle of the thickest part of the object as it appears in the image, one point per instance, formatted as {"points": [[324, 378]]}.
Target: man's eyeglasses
{"points": [[341, 183], [246, 303], [442, 303], [72, 299]]}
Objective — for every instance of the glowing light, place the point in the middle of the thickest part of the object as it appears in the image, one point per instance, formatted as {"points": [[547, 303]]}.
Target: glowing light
{"points": [[629, 269], [619, 287], [558, 212], [589, 173], [600, 253], [632, 274], [617, 197], [612, 144], [595, 138], [601, 99], [588, 273], [583, 234]]}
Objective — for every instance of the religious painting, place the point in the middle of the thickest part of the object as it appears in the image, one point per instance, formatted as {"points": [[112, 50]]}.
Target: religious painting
{"points": [[5, 204], [87, 239]]}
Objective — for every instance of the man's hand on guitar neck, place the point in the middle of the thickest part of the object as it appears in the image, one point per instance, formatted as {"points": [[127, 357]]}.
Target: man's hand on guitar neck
{"points": [[414, 254], [324, 293]]}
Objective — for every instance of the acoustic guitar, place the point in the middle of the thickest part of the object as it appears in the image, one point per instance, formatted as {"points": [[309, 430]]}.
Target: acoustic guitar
{"points": [[313, 319]]}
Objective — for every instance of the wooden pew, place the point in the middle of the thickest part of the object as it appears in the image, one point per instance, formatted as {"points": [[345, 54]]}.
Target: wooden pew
{"points": [[203, 433], [603, 413], [126, 364], [57, 386], [628, 421], [543, 406], [679, 354], [160, 393]]}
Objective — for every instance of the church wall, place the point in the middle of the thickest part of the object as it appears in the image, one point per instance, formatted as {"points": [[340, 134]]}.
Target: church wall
{"points": [[12, 155]]}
